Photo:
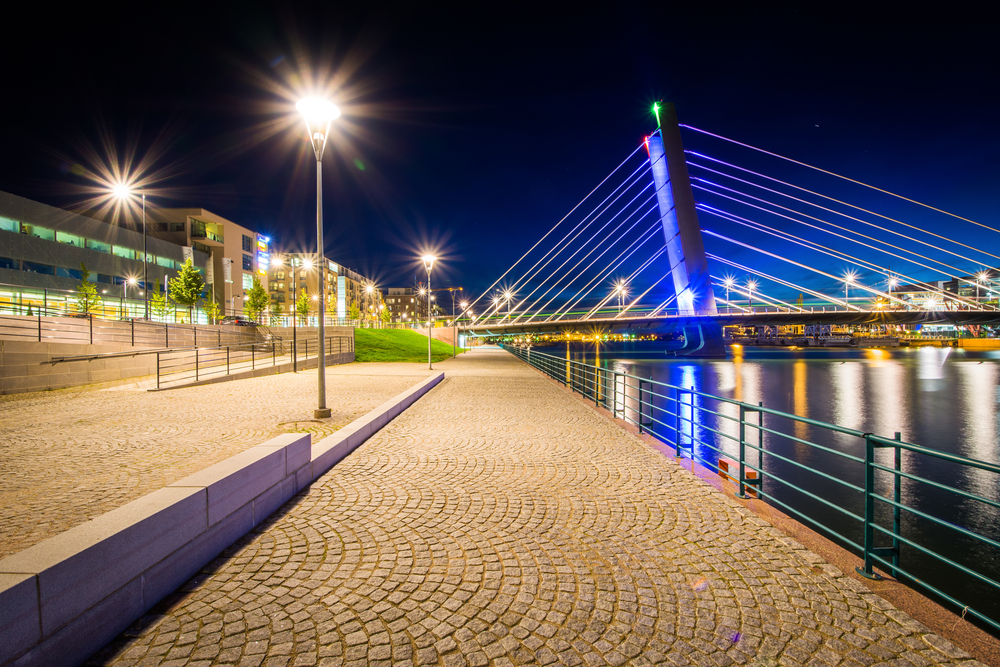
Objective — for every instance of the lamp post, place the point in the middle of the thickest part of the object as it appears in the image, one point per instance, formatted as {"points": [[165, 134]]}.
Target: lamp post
{"points": [[123, 191], [428, 264], [728, 283], [848, 281], [319, 113], [751, 286]]}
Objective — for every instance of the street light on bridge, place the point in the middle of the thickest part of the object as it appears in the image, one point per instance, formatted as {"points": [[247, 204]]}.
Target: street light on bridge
{"points": [[849, 279], [751, 286], [728, 283]]}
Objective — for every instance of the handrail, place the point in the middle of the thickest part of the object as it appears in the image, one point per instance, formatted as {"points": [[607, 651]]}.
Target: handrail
{"points": [[859, 506]]}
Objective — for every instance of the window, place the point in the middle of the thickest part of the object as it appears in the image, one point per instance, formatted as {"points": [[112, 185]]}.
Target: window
{"points": [[69, 239], [120, 251], [8, 225], [247, 244], [247, 262], [38, 232], [33, 267], [247, 281], [98, 246], [165, 261], [69, 273], [7, 263]]}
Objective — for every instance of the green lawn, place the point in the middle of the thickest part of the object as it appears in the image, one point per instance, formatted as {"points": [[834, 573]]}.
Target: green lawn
{"points": [[396, 345]]}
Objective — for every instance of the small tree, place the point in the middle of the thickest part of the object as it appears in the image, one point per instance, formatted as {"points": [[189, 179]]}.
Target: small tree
{"points": [[275, 314], [158, 302], [302, 306], [186, 287], [255, 300], [212, 310], [354, 312], [86, 292], [386, 315]]}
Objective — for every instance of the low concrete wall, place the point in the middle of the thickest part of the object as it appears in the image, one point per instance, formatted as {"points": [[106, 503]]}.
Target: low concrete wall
{"points": [[24, 366], [65, 598]]}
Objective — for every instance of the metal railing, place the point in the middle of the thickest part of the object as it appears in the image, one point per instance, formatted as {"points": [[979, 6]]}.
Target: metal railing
{"points": [[138, 333], [184, 366], [927, 517]]}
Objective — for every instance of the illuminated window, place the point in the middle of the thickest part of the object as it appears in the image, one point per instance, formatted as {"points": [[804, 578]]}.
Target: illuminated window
{"points": [[98, 246], [247, 261], [127, 253], [69, 239], [38, 232], [8, 225], [247, 281]]}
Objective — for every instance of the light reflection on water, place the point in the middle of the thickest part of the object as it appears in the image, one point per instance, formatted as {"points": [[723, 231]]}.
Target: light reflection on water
{"points": [[941, 398]]}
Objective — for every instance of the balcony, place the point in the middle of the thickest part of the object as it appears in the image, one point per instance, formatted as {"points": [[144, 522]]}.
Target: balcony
{"points": [[204, 232]]}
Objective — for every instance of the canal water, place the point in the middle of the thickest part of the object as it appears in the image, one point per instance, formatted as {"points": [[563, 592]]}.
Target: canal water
{"points": [[944, 399]]}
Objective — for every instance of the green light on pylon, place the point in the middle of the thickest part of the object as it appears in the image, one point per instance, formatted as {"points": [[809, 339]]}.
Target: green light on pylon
{"points": [[656, 110]]}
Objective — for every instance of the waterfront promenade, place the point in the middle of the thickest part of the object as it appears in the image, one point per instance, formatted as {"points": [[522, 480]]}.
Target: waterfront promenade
{"points": [[499, 520], [67, 456]]}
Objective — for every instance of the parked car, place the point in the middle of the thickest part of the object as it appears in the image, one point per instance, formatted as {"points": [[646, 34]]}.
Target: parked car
{"points": [[238, 320]]}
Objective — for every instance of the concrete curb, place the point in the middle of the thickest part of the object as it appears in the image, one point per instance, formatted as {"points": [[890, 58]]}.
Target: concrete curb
{"points": [[66, 597]]}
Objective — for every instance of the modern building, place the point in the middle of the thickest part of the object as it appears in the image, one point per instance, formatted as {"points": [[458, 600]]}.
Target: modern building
{"points": [[292, 274], [237, 254], [42, 249], [406, 304]]}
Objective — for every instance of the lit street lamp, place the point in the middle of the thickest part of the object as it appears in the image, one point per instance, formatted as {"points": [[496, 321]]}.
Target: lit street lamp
{"points": [[751, 286], [848, 281], [122, 191], [728, 283], [428, 264], [319, 113]]}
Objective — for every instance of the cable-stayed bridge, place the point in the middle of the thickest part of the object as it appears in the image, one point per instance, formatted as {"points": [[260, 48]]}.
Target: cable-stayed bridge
{"points": [[631, 256]]}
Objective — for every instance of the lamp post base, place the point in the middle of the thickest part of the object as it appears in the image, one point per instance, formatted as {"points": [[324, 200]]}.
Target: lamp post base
{"points": [[321, 413]]}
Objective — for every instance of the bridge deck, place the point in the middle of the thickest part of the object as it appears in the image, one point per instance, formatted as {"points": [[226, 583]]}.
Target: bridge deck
{"points": [[501, 521]]}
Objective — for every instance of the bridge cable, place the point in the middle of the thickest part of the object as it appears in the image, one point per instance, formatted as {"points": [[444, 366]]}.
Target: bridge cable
{"points": [[846, 178]]}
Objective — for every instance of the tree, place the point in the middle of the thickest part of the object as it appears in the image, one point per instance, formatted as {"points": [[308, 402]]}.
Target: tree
{"points": [[255, 300], [212, 310], [158, 302], [354, 312], [275, 314], [386, 315], [186, 287], [302, 306], [86, 292]]}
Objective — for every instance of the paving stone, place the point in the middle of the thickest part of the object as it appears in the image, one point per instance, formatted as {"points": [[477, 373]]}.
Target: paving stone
{"points": [[517, 526], [67, 456]]}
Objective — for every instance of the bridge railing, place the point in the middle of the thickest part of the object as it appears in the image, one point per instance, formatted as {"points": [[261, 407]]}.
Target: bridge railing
{"points": [[924, 516]]}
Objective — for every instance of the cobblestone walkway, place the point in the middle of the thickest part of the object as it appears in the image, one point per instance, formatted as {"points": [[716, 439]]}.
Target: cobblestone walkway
{"points": [[70, 455], [500, 521]]}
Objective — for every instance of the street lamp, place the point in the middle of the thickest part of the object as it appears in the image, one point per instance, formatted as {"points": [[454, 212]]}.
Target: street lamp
{"points": [[621, 289], [319, 113], [428, 264], [751, 286], [507, 296], [848, 281], [893, 281], [728, 283], [122, 191], [980, 279]]}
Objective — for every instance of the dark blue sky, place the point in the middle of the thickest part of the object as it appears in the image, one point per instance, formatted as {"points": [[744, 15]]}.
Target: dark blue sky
{"points": [[478, 129]]}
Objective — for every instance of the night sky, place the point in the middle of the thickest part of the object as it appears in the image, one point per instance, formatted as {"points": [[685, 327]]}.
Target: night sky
{"points": [[478, 129]]}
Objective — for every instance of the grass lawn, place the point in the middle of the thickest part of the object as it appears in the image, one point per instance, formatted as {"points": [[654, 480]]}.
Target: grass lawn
{"points": [[396, 345]]}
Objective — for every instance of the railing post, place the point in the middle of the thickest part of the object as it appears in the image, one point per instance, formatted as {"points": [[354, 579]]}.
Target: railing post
{"points": [[741, 491], [638, 420], [166, 335], [227, 359], [677, 422], [895, 509], [196, 364], [90, 320], [39, 327], [869, 537], [157, 370], [253, 357], [132, 322], [760, 450], [274, 355]]}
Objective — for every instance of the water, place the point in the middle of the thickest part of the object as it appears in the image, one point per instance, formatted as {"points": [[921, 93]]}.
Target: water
{"points": [[944, 399]]}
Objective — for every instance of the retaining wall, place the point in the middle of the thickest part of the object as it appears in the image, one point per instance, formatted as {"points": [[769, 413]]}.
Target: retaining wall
{"points": [[65, 598], [24, 366]]}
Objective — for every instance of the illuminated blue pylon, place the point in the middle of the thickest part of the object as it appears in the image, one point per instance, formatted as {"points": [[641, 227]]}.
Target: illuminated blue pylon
{"points": [[685, 248]]}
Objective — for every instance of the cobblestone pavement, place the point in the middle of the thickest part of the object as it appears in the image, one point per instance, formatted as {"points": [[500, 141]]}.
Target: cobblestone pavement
{"points": [[501, 521], [67, 456]]}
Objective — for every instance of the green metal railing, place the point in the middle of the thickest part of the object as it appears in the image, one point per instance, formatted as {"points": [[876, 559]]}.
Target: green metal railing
{"points": [[845, 487]]}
